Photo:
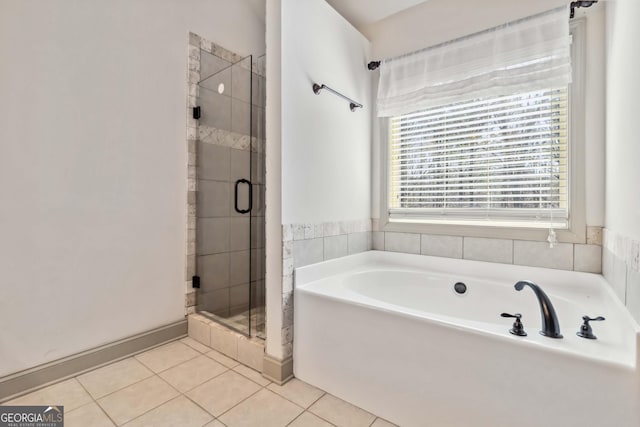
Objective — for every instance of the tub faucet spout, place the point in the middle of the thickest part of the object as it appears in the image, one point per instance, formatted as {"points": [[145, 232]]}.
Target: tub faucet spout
{"points": [[550, 324]]}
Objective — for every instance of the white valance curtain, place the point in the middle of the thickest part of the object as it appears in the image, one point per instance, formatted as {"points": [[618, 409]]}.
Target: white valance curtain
{"points": [[516, 57]]}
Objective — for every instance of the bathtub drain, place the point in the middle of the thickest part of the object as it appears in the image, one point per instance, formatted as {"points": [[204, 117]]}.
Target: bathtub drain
{"points": [[460, 288]]}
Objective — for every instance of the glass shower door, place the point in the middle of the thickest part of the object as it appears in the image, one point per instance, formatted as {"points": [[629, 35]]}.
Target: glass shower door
{"points": [[230, 194]]}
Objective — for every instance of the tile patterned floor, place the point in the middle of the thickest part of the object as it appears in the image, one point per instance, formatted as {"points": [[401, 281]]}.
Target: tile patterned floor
{"points": [[186, 384]]}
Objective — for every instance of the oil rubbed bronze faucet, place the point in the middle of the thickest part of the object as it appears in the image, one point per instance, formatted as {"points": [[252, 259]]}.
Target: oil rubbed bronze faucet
{"points": [[550, 324]]}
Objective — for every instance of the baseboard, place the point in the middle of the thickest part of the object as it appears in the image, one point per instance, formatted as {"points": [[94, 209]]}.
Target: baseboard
{"points": [[276, 370], [28, 380]]}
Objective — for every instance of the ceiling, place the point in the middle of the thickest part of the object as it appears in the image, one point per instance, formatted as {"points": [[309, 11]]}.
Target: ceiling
{"points": [[363, 13], [360, 13]]}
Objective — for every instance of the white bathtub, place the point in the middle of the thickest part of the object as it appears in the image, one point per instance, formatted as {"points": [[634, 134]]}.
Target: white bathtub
{"points": [[386, 331]]}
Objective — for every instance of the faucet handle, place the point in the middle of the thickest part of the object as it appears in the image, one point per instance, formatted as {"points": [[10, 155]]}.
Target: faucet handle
{"points": [[585, 329], [518, 327], [515, 316]]}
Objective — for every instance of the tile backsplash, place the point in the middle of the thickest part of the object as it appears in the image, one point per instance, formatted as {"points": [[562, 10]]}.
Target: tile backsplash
{"points": [[304, 244], [563, 256]]}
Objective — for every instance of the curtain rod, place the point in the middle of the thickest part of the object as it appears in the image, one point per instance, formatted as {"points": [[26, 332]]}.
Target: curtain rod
{"points": [[373, 65], [581, 3]]}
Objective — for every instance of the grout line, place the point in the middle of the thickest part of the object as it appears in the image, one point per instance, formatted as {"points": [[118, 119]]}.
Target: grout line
{"points": [[155, 407], [120, 389], [198, 405], [323, 419], [298, 416], [513, 248], [320, 397], [463, 239], [297, 404], [105, 413], [173, 366], [206, 381], [242, 401], [93, 401], [240, 373], [194, 347]]}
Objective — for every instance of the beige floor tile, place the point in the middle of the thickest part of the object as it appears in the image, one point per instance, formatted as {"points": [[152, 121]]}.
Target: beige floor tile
{"points": [[221, 358], [179, 412], [298, 392], [379, 422], [69, 394], [341, 413], [133, 401], [254, 376], [192, 373], [264, 409], [87, 415], [307, 419], [114, 377], [215, 423], [167, 356], [223, 392], [195, 345]]}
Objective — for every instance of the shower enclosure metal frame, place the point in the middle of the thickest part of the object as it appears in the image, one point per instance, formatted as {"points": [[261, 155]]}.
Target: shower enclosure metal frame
{"points": [[255, 145]]}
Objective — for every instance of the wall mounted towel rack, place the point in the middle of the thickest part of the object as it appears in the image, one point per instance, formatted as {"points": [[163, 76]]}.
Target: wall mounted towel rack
{"points": [[352, 104]]}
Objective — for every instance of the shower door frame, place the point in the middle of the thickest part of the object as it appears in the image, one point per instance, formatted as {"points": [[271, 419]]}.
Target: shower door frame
{"points": [[256, 310]]}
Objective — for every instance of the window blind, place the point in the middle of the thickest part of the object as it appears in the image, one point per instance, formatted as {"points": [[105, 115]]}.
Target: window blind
{"points": [[502, 159], [516, 57]]}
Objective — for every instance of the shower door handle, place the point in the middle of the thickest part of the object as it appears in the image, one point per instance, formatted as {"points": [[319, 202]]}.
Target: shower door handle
{"points": [[238, 182]]}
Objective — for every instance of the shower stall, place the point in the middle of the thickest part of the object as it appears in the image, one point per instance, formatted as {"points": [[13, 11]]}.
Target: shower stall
{"points": [[230, 172]]}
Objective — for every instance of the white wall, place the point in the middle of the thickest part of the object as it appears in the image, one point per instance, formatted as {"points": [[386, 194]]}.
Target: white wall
{"points": [[437, 21], [273, 179], [93, 166], [595, 112], [318, 152], [623, 126], [326, 148]]}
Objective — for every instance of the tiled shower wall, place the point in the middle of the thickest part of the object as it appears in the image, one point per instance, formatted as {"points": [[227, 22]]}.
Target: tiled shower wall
{"points": [[219, 150], [621, 268], [305, 244]]}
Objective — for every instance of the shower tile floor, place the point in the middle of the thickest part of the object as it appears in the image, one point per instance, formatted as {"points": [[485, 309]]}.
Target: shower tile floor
{"points": [[184, 384]]}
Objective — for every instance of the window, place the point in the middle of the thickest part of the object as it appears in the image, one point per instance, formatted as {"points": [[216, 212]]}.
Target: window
{"points": [[501, 160], [485, 133]]}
